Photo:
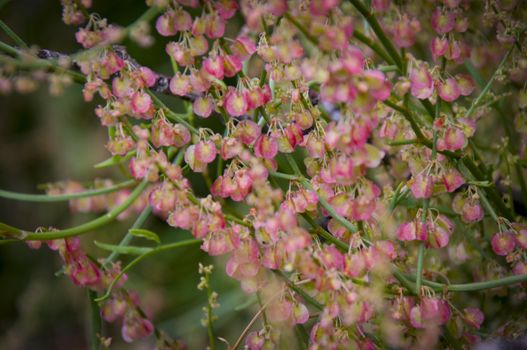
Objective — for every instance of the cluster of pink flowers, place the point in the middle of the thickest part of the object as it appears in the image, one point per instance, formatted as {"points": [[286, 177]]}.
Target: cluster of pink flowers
{"points": [[374, 136], [85, 272]]}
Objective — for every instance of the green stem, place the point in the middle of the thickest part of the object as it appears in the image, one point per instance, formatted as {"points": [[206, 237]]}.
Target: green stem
{"points": [[374, 24], [95, 320], [128, 237], [134, 262], [77, 230], [487, 87], [65, 197], [13, 35]]}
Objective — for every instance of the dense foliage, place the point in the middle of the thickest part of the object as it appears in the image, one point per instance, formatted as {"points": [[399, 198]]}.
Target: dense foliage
{"points": [[363, 161]]}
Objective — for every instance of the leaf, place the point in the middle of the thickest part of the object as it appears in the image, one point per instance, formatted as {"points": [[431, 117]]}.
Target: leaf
{"points": [[131, 250], [139, 232]]}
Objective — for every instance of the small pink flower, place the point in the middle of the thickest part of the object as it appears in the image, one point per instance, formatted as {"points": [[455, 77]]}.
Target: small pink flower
{"points": [[165, 24], [235, 103], [407, 231], [214, 66], [136, 327], [205, 151], [422, 186], [452, 179], [247, 132], [473, 316], [443, 22], [266, 147], [439, 46], [453, 140], [449, 90], [503, 243], [472, 212], [422, 84], [141, 102], [465, 83], [202, 106], [180, 85]]}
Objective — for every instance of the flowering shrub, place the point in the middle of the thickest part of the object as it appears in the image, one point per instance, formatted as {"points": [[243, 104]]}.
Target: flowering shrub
{"points": [[365, 163]]}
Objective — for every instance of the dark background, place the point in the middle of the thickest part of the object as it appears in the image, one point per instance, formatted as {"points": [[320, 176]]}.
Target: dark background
{"points": [[46, 138]]}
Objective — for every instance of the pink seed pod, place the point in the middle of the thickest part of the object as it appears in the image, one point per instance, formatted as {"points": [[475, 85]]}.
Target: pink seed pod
{"points": [[422, 186], [113, 309], [122, 86], [443, 22], [202, 106], [214, 65], [354, 265], [192, 161], [453, 140], [180, 85], [200, 82], [473, 316], [235, 103], [243, 47], [472, 212], [452, 179], [438, 46], [300, 313], [135, 327], [438, 237], [141, 102], [205, 151], [182, 21], [181, 135], [148, 77], [247, 132], [435, 311], [322, 7], [421, 82], [180, 53], [404, 31], [231, 65], [165, 24], [407, 231], [230, 148], [503, 243], [279, 311], [198, 46], [521, 238], [352, 60], [449, 90], [214, 26], [465, 83], [226, 8], [254, 98]]}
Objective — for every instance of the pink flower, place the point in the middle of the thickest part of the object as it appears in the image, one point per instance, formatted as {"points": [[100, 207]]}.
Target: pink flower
{"points": [[422, 84], [503, 243], [449, 90], [202, 106], [422, 185], [443, 22], [266, 147], [235, 103], [473, 316]]}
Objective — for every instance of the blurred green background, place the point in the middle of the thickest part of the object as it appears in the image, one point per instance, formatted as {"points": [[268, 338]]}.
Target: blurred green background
{"points": [[47, 138]]}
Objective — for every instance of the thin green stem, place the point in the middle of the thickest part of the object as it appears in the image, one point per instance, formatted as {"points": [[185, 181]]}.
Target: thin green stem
{"points": [[95, 320], [134, 262], [6, 230], [65, 197], [128, 237], [374, 24], [487, 87], [13, 35]]}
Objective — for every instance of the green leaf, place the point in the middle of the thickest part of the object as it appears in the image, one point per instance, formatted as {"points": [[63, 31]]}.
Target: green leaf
{"points": [[131, 250], [139, 232]]}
